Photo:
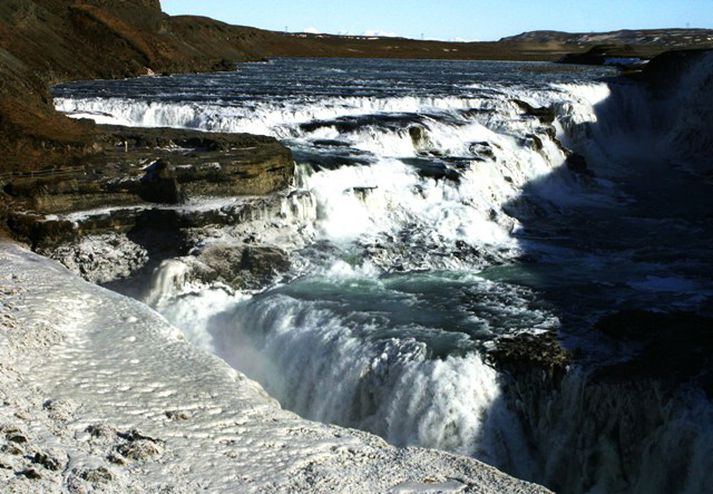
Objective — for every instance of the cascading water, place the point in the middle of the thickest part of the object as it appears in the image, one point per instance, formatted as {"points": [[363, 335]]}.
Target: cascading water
{"points": [[435, 211]]}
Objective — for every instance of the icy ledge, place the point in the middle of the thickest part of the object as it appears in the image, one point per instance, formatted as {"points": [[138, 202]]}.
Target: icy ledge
{"points": [[101, 394]]}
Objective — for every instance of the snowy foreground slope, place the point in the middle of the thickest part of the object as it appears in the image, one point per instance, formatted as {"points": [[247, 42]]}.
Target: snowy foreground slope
{"points": [[100, 394]]}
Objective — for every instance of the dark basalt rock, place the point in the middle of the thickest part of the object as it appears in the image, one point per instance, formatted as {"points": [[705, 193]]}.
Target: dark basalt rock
{"points": [[482, 150], [159, 184], [525, 353], [363, 192], [533, 142], [601, 54], [419, 136], [243, 267], [578, 164], [47, 461], [437, 170], [545, 114], [31, 473], [139, 167], [181, 164]]}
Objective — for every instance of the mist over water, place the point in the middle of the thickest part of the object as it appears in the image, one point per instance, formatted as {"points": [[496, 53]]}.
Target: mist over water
{"points": [[433, 214]]}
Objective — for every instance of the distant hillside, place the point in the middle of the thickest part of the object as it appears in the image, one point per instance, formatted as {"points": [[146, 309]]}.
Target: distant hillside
{"points": [[659, 38]]}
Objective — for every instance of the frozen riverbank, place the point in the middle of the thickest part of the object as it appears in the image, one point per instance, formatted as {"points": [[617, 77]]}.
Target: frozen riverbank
{"points": [[101, 394]]}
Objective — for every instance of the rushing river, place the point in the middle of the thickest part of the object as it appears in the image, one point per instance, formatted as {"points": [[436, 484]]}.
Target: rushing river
{"points": [[437, 208]]}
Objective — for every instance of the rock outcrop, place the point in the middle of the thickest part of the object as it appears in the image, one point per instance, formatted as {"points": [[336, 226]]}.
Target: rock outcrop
{"points": [[131, 166], [242, 267], [618, 55], [133, 169], [532, 353]]}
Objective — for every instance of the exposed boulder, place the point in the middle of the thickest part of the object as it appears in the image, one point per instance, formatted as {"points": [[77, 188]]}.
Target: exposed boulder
{"points": [[243, 267], [159, 184], [100, 258], [527, 353], [545, 114]]}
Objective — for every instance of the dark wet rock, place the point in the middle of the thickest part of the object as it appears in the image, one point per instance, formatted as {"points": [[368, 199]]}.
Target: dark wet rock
{"points": [[437, 170], [330, 143], [333, 161], [177, 415], [16, 436], [148, 166], [159, 184], [546, 114], [47, 461], [472, 113], [12, 449], [99, 475], [135, 435], [363, 192], [482, 150], [419, 136], [244, 267], [31, 473], [422, 142], [525, 353], [578, 164], [116, 458], [533, 142], [135, 166], [672, 347]]}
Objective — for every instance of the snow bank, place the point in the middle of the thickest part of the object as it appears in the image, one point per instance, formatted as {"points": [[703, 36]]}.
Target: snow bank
{"points": [[100, 393]]}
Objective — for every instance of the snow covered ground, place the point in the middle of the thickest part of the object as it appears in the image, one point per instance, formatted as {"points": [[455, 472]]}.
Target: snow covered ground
{"points": [[99, 393]]}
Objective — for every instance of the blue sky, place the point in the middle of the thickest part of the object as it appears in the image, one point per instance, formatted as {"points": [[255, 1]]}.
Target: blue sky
{"points": [[450, 19]]}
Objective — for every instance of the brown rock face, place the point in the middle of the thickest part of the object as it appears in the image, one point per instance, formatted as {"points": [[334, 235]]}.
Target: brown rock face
{"points": [[243, 267], [133, 167]]}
